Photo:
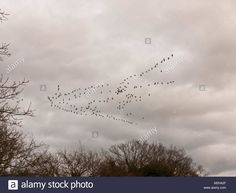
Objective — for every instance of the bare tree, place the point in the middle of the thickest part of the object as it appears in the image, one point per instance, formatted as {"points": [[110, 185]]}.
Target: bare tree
{"points": [[4, 49], [78, 163], [43, 163], [16, 151], [10, 108], [143, 159], [10, 102]]}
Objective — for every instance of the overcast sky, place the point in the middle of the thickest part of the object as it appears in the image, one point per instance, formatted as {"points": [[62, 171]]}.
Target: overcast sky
{"points": [[79, 43]]}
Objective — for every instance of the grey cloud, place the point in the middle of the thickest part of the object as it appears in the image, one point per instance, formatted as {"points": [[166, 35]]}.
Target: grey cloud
{"points": [[80, 43]]}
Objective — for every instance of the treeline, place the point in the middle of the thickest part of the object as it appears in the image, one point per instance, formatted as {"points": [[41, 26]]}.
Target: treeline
{"points": [[21, 158]]}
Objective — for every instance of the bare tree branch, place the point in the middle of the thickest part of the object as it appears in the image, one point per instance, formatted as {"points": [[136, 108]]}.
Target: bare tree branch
{"points": [[4, 49], [10, 102]]}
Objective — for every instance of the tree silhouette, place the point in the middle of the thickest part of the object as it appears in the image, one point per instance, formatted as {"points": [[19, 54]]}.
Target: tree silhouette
{"points": [[78, 163], [143, 159], [16, 152]]}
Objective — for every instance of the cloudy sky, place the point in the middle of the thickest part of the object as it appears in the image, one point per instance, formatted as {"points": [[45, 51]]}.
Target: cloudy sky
{"points": [[79, 43]]}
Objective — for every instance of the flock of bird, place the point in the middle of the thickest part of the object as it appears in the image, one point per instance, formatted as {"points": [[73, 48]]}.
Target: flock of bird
{"points": [[90, 101]]}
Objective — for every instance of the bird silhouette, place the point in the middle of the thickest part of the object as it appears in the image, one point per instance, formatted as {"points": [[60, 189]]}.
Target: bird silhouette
{"points": [[120, 97]]}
